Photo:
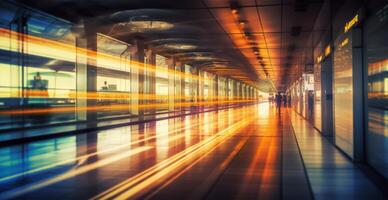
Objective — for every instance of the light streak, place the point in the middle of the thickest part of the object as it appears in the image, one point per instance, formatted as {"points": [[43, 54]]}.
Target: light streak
{"points": [[57, 50], [118, 107], [119, 95], [146, 179], [85, 157], [113, 149], [76, 172]]}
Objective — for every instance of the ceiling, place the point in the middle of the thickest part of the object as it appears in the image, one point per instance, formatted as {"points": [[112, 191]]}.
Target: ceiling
{"points": [[264, 43]]}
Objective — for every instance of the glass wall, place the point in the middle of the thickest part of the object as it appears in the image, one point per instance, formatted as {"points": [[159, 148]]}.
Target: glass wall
{"points": [[113, 76], [37, 64], [317, 97], [188, 84], [343, 94], [308, 96], [178, 85], [377, 110], [206, 86], [161, 80], [40, 83], [221, 88]]}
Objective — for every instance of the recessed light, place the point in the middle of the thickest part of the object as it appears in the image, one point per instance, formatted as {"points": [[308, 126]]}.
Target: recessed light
{"points": [[180, 46], [145, 25]]}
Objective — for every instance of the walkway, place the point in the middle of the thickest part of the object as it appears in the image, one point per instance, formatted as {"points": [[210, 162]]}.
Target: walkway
{"points": [[240, 153]]}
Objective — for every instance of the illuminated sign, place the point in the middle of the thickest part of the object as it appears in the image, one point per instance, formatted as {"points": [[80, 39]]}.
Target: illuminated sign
{"points": [[351, 23], [327, 50], [344, 42], [319, 59]]}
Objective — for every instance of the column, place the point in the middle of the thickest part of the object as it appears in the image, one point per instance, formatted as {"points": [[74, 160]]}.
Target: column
{"points": [[183, 96], [137, 78], [87, 75], [227, 90], [201, 91], [178, 85], [235, 90], [150, 80], [216, 88]]}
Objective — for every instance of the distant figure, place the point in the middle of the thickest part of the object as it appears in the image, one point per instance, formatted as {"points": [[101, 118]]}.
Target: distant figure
{"points": [[105, 87], [284, 97], [289, 100], [38, 84], [310, 102], [278, 98]]}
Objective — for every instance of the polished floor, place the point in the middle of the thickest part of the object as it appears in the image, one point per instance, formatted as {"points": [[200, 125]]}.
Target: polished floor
{"points": [[251, 152]]}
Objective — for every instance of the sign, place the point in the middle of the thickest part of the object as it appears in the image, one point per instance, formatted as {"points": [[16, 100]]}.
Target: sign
{"points": [[350, 24], [319, 59], [327, 50], [344, 42]]}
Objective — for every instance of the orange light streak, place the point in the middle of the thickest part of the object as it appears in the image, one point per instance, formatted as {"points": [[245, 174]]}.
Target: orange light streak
{"points": [[144, 181], [119, 107]]}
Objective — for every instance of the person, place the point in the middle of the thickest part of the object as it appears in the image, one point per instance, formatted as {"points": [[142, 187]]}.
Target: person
{"points": [[38, 83], [289, 100], [310, 103], [278, 100], [284, 97], [105, 87]]}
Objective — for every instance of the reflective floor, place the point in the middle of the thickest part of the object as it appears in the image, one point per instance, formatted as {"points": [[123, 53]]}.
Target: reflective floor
{"points": [[250, 152]]}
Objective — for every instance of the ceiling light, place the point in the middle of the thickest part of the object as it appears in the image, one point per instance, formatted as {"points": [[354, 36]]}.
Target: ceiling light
{"points": [[148, 25], [180, 46], [234, 6]]}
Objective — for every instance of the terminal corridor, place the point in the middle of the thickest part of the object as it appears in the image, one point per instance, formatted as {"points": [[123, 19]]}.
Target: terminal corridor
{"points": [[250, 152], [194, 99]]}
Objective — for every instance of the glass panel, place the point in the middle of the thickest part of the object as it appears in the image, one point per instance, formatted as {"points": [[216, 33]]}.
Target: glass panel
{"points": [[161, 76], [377, 60], [177, 83], [317, 97], [343, 95], [113, 77], [37, 68], [188, 84]]}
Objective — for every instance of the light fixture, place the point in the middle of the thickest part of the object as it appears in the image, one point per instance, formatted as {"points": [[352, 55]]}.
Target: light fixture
{"points": [[180, 46], [234, 7], [147, 25]]}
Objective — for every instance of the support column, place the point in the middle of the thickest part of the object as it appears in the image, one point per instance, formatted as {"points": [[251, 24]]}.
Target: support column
{"points": [[235, 90], [150, 80], [87, 76], [358, 133], [183, 96], [137, 78], [216, 94], [194, 72], [201, 90], [178, 87], [241, 95], [226, 90]]}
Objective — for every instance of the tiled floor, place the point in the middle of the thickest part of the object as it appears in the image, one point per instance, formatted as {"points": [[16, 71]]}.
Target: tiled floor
{"points": [[332, 175], [240, 153]]}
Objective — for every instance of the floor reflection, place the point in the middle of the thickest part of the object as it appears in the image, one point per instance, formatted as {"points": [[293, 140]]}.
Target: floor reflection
{"points": [[227, 154], [35, 166]]}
